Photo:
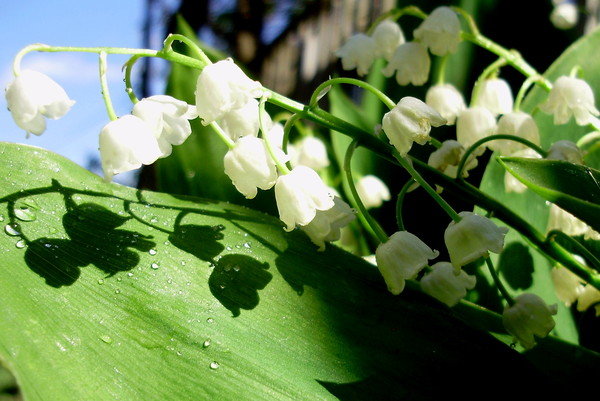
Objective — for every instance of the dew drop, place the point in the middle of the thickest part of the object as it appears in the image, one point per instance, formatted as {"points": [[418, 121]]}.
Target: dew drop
{"points": [[106, 339], [12, 229], [152, 252], [214, 365], [206, 343], [153, 219], [100, 281], [1, 218], [130, 274], [154, 266], [210, 320], [117, 291], [228, 248], [247, 245], [182, 263], [20, 244]]}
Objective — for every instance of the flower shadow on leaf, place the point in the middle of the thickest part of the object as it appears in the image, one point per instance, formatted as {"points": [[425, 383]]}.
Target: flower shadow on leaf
{"points": [[516, 266], [200, 241]]}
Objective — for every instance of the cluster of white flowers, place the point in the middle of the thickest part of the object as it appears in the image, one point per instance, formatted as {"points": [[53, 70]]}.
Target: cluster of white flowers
{"points": [[570, 289]]}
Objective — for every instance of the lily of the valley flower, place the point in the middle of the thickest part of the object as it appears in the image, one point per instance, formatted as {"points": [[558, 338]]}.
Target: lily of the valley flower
{"points": [[221, 88], [327, 224], [440, 31], [126, 144], [565, 150], [242, 121], [528, 318], [411, 64], [571, 97], [472, 237], [168, 118], [372, 191], [358, 52], [446, 100], [410, 121], [447, 158], [249, 166], [515, 123], [564, 15], [310, 152], [560, 219], [387, 37], [473, 124], [32, 97], [496, 96], [445, 285], [401, 258], [299, 195]]}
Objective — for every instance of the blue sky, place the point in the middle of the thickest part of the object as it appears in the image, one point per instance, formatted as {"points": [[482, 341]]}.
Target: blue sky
{"points": [[70, 23]]}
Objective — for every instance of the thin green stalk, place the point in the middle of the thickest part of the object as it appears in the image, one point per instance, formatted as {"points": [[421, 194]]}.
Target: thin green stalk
{"points": [[222, 134], [128, 87], [104, 85], [357, 82], [440, 75], [198, 53], [381, 235], [396, 13], [473, 147], [283, 169], [498, 283], [523, 90], [400, 203], [490, 69], [469, 18]]}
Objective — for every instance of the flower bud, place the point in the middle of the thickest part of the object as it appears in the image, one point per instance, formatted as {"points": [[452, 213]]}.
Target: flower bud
{"points": [[31, 96], [564, 15], [440, 31], [473, 124], [387, 37], [411, 64], [566, 151], [445, 285], [299, 194], [518, 124], [358, 52], [327, 224], [242, 121], [126, 144], [310, 152], [168, 119], [530, 316], [571, 97], [446, 100], [447, 158], [410, 121], [401, 258], [472, 237], [496, 96], [221, 88], [372, 191]]}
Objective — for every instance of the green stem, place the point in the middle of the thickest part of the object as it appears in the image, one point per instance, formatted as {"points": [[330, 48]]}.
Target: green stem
{"points": [[381, 235], [585, 252], [469, 18], [498, 283], [128, 87], [523, 90], [104, 85], [222, 134], [283, 169], [472, 148], [440, 78], [396, 13], [400, 203], [357, 82], [198, 53], [491, 69]]}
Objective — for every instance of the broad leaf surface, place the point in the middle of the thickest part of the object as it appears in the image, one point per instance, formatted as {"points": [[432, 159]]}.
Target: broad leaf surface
{"points": [[109, 293]]}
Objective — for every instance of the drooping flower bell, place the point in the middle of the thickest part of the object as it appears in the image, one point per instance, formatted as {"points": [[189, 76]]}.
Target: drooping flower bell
{"points": [[299, 195], [249, 166], [168, 118], [358, 52], [528, 318], [32, 97], [564, 15], [571, 97], [473, 124], [496, 96], [401, 258], [310, 152], [440, 31], [472, 237], [242, 121], [565, 150], [327, 224], [221, 88], [568, 286], [447, 158], [126, 144], [411, 64], [372, 191], [410, 121], [560, 219], [446, 100], [387, 37], [515, 123], [445, 285]]}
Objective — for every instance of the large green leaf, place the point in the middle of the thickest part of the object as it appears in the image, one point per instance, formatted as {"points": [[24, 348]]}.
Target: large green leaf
{"points": [[110, 293], [573, 187], [529, 205]]}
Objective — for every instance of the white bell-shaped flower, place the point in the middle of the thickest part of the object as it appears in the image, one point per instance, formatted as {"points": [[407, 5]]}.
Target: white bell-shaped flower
{"points": [[387, 37], [168, 118], [401, 258], [496, 96], [32, 97], [372, 191], [299, 194], [126, 144], [571, 97], [242, 121], [560, 219], [473, 124], [445, 285], [530, 316], [565, 150], [358, 52], [511, 183], [568, 286], [249, 166], [564, 15], [446, 100], [275, 134], [310, 152], [447, 158], [221, 88], [327, 224], [472, 237], [411, 64], [440, 31], [410, 121], [515, 123]]}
